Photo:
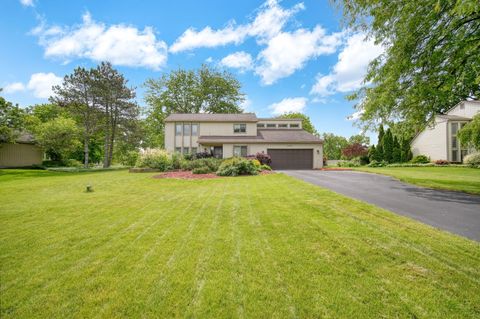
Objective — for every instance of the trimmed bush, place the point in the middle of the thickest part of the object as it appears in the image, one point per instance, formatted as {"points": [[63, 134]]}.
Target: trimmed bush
{"points": [[375, 163], [211, 163], [237, 166], [442, 162], [201, 170], [472, 160], [202, 155], [420, 159], [73, 163], [154, 158], [265, 167], [128, 158], [177, 160]]}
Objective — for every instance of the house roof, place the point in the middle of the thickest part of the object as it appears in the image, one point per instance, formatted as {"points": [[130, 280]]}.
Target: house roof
{"points": [[453, 117], [266, 136], [207, 117]]}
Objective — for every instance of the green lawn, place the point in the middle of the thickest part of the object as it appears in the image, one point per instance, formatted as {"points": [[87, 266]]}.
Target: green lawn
{"points": [[453, 178], [252, 247]]}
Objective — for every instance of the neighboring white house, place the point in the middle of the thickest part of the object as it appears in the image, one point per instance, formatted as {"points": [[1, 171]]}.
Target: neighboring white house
{"points": [[227, 135], [439, 140]]}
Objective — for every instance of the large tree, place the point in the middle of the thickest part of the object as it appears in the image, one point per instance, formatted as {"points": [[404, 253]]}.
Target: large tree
{"points": [[76, 93], [12, 121], [333, 145], [431, 59], [469, 135], [115, 98], [189, 91], [307, 124]]}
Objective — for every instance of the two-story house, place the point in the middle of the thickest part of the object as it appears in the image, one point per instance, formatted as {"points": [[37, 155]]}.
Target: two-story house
{"points": [[439, 140], [227, 135]]}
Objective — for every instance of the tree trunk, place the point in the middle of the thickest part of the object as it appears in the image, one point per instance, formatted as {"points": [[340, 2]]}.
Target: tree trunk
{"points": [[85, 151], [106, 147], [112, 140]]}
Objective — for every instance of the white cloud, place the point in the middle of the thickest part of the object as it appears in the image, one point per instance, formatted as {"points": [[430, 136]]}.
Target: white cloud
{"points": [[246, 104], [348, 73], [41, 84], [119, 44], [14, 88], [268, 22], [239, 60], [289, 51], [209, 60], [293, 104], [27, 3], [355, 115]]}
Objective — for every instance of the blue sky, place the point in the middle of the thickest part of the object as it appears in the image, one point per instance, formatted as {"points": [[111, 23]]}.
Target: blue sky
{"points": [[289, 55]]}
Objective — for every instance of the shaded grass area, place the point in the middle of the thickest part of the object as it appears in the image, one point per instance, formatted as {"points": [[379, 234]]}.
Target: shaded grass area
{"points": [[462, 179], [256, 247]]}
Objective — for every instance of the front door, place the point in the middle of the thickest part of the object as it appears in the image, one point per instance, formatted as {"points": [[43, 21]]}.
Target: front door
{"points": [[218, 151]]}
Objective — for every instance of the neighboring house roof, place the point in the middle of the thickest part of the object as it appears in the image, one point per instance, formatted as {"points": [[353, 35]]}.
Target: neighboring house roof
{"points": [[266, 136], [278, 119], [207, 117], [453, 117]]}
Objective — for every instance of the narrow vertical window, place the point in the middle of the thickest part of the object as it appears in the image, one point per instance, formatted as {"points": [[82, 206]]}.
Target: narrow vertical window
{"points": [[194, 129], [178, 129], [186, 129]]}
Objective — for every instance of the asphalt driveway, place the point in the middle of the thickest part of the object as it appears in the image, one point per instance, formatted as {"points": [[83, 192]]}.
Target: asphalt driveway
{"points": [[455, 212]]}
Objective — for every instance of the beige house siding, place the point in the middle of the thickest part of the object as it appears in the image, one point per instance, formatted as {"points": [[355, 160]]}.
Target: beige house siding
{"points": [[256, 148], [20, 155], [466, 109], [170, 136], [432, 142]]}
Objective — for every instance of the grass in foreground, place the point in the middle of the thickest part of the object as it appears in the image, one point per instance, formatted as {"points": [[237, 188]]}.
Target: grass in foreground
{"points": [[253, 247], [452, 178]]}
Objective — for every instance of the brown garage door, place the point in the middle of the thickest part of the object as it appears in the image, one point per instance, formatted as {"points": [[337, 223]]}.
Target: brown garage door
{"points": [[291, 159]]}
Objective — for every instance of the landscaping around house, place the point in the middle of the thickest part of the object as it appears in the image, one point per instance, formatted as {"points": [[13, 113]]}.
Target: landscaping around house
{"points": [[256, 247], [463, 179]]}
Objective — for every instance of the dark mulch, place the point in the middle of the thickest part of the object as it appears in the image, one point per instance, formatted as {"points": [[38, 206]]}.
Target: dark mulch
{"points": [[186, 175]]}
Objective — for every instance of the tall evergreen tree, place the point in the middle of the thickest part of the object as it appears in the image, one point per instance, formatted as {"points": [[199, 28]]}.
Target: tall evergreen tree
{"points": [[396, 154], [405, 150], [372, 153], [387, 142], [379, 149]]}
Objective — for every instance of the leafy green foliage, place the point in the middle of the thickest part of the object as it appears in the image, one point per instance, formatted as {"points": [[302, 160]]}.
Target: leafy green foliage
{"points": [[237, 166], [397, 151], [472, 159], [154, 158], [59, 137], [333, 145], [188, 91], [469, 135], [211, 163], [387, 143], [307, 124], [201, 170], [12, 121], [420, 159], [430, 61]]}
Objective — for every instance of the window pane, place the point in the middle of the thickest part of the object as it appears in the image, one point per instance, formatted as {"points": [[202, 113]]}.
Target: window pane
{"points": [[194, 129], [294, 125], [454, 128], [186, 150], [186, 129], [178, 129], [244, 151], [178, 149], [237, 151], [271, 125], [454, 156], [239, 128], [454, 142], [194, 150], [261, 125], [282, 125]]}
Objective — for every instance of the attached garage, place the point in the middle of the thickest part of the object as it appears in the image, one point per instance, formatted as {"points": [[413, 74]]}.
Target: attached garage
{"points": [[291, 158]]}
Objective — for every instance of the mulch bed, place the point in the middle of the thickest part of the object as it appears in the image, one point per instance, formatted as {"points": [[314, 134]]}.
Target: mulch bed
{"points": [[190, 175], [186, 175], [335, 169]]}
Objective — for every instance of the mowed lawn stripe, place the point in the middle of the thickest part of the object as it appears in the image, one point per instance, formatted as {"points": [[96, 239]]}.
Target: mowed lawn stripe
{"points": [[264, 246]]}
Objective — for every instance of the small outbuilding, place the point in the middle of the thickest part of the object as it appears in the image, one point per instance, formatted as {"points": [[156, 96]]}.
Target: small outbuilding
{"points": [[23, 153]]}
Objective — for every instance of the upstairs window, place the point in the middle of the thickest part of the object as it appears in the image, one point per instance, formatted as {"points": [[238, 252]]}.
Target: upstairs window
{"points": [[271, 125], [294, 126], [283, 125], [261, 125], [194, 129], [178, 129], [239, 128]]}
